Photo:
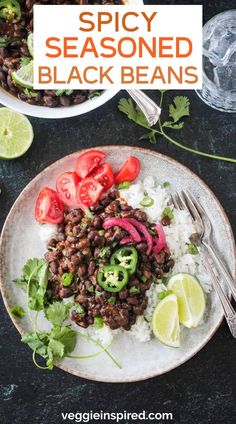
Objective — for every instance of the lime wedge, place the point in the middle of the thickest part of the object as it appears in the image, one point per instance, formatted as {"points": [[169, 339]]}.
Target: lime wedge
{"points": [[191, 299], [30, 43], [25, 75], [165, 321], [16, 134]]}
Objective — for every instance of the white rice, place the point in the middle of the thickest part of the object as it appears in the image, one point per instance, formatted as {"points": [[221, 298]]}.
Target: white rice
{"points": [[177, 236]]}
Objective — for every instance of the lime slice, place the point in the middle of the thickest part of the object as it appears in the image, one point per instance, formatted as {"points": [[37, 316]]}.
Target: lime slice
{"points": [[30, 43], [25, 75], [16, 134], [191, 299], [165, 321]]}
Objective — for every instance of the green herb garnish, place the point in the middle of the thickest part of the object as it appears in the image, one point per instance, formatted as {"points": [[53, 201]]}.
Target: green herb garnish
{"points": [[192, 249], [164, 294], [134, 290], [165, 184], [66, 279], [6, 41], [98, 323], [34, 281], [90, 289], [177, 110], [25, 60], [17, 311], [104, 252], [143, 279], [124, 185], [88, 213], [168, 212], [80, 309], [147, 202], [63, 92], [111, 300], [94, 94]]}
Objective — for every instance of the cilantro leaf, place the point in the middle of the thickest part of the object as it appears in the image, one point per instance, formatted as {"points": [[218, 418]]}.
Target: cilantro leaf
{"points": [[57, 312], [17, 311], [57, 348], [133, 112], [170, 124], [21, 283], [25, 60], [35, 278], [151, 136], [179, 108], [66, 336], [37, 342]]}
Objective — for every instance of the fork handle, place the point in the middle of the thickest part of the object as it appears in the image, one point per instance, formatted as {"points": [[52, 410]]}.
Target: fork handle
{"points": [[229, 312], [150, 109], [225, 273]]}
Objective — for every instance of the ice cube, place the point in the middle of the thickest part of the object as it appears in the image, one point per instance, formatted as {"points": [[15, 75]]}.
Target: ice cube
{"points": [[222, 45], [225, 77]]}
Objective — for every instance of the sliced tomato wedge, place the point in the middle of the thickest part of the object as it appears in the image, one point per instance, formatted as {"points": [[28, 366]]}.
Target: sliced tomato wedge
{"points": [[87, 162], [129, 170], [66, 187], [49, 207], [104, 175], [88, 192]]}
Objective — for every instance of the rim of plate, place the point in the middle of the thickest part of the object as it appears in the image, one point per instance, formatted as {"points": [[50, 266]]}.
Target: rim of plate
{"points": [[147, 152]]}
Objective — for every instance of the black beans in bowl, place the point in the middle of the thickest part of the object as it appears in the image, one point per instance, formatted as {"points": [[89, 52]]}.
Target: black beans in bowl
{"points": [[16, 23]]}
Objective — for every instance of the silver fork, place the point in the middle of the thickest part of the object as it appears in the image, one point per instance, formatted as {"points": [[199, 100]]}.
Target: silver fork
{"points": [[202, 223]]}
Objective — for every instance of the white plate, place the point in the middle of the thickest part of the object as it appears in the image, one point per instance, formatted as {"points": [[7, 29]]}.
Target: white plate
{"points": [[20, 241]]}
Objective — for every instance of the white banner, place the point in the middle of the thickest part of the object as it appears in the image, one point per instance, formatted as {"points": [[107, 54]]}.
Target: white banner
{"points": [[119, 47]]}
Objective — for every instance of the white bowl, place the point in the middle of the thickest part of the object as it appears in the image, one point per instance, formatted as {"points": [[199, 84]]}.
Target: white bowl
{"points": [[9, 100]]}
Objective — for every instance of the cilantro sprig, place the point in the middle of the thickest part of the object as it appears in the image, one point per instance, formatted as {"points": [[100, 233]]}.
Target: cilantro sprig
{"points": [[60, 341], [179, 109]]}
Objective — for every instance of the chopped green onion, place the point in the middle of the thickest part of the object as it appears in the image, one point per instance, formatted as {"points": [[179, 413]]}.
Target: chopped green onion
{"points": [[98, 293], [67, 278], [147, 202], [104, 252], [17, 311], [168, 212], [111, 300], [165, 184], [98, 322], [94, 94], [29, 93], [118, 215], [80, 309], [143, 279], [125, 184], [70, 233], [101, 232], [90, 289], [88, 213], [61, 92], [152, 232], [134, 290], [192, 249]]}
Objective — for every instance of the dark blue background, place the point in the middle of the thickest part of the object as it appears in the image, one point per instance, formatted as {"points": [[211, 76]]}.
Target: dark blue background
{"points": [[200, 391]]}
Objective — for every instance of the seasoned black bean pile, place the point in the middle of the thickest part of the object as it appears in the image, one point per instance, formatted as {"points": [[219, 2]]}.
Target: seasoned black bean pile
{"points": [[81, 247], [11, 56]]}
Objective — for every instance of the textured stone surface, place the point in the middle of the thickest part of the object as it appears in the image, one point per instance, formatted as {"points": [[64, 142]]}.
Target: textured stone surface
{"points": [[200, 391]]}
